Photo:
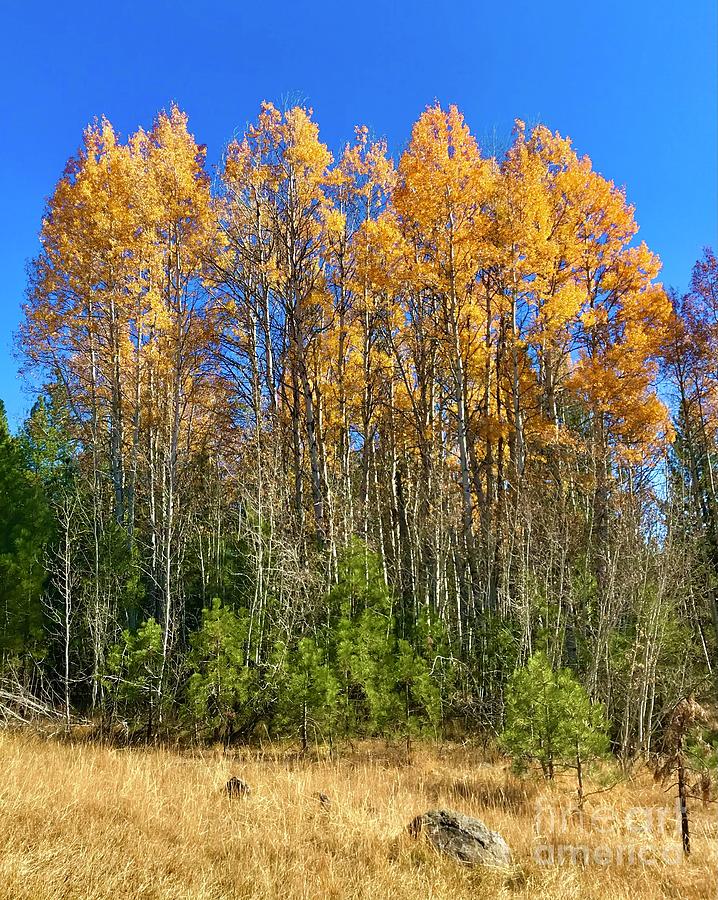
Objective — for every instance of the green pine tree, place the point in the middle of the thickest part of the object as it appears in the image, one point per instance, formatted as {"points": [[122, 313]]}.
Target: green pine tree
{"points": [[223, 691], [308, 692], [550, 719], [133, 672], [25, 529]]}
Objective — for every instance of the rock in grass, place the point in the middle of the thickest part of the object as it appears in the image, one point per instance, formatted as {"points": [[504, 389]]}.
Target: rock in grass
{"points": [[235, 787], [462, 837]]}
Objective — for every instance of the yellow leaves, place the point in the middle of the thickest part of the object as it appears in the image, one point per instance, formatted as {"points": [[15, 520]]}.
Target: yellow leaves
{"points": [[491, 429], [304, 150], [365, 175], [594, 318], [125, 238], [288, 144], [514, 284], [619, 389], [562, 307], [380, 253], [239, 163], [335, 222], [647, 315], [563, 236], [605, 221], [443, 180]]}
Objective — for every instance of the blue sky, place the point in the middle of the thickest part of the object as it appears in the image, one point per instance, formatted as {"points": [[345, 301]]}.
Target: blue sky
{"points": [[633, 83]]}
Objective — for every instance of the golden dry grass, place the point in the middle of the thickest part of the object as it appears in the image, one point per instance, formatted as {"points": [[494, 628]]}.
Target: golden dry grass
{"points": [[82, 821]]}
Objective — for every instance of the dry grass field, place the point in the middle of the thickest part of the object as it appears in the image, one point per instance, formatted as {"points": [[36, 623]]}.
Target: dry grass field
{"points": [[82, 821]]}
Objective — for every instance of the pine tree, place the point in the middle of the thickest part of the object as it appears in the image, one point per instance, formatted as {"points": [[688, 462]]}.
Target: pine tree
{"points": [[307, 696], [25, 529], [223, 690], [550, 719], [132, 679]]}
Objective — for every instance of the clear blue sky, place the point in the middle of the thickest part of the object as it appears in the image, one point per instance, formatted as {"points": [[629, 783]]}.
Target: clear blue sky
{"points": [[633, 83]]}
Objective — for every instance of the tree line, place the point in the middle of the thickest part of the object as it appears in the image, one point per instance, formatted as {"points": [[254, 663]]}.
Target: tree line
{"points": [[334, 446]]}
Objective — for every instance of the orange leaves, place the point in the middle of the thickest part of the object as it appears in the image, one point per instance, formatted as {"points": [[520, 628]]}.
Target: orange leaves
{"points": [[304, 153], [443, 187], [586, 297], [637, 422], [366, 171], [485, 301], [116, 291]]}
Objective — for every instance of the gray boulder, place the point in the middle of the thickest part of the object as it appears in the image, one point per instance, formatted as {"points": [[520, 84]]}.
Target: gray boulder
{"points": [[462, 837]]}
